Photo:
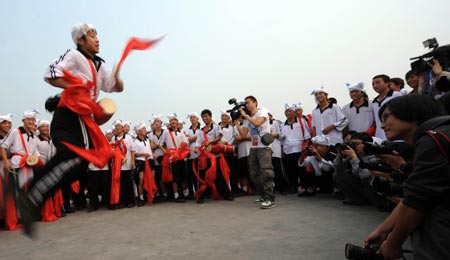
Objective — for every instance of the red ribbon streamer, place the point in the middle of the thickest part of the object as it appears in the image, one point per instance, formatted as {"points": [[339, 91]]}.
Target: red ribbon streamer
{"points": [[135, 43], [149, 182], [173, 154], [120, 150]]}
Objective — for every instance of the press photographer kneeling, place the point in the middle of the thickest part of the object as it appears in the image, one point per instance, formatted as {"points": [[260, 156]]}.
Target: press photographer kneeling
{"points": [[352, 176], [424, 213]]}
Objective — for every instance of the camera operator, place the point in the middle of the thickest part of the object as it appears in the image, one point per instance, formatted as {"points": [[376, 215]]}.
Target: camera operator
{"points": [[352, 179], [424, 213], [260, 157], [317, 160]]}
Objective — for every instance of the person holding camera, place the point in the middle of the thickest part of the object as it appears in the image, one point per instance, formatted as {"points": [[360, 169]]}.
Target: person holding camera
{"points": [[352, 179], [317, 160], [260, 157], [424, 213]]}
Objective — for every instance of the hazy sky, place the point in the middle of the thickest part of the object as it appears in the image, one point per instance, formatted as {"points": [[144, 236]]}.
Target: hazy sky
{"points": [[278, 51]]}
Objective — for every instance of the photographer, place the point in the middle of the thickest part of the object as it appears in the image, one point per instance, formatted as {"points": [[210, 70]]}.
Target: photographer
{"points": [[317, 160], [352, 179], [424, 213], [260, 157]]}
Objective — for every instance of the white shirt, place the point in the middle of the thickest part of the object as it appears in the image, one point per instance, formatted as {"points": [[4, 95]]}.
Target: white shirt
{"points": [[331, 115], [143, 146], [276, 145], [243, 147], [46, 149], [227, 134], [211, 133], [14, 145], [376, 105], [294, 135], [257, 132], [359, 118], [193, 132], [177, 136], [156, 139], [318, 167], [75, 62], [130, 146]]}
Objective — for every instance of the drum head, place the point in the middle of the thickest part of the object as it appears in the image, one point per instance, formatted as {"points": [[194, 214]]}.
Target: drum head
{"points": [[108, 105], [32, 160]]}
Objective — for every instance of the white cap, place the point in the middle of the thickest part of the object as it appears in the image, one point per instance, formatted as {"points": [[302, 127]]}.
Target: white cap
{"points": [[139, 126], [43, 122], [6, 117], [109, 131], [192, 114], [319, 90], [80, 29], [288, 106], [358, 87], [127, 123], [118, 122], [223, 112], [30, 114], [157, 117], [299, 105], [181, 122], [321, 139], [172, 116]]}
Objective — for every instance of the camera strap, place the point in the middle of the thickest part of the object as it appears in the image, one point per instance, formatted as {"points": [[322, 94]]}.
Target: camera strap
{"points": [[442, 141]]}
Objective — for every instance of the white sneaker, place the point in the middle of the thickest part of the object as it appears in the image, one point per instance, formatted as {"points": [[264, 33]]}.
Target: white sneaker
{"points": [[259, 200], [268, 204]]}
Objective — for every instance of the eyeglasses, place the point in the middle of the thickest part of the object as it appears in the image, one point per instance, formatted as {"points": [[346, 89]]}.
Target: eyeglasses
{"points": [[385, 116]]}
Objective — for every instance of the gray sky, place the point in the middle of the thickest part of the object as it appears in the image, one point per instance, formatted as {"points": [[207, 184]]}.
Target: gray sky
{"points": [[278, 51]]}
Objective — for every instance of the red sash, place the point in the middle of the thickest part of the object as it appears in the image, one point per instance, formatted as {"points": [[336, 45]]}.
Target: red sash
{"points": [[58, 202], [120, 151], [48, 211], [11, 218], [149, 182], [172, 155], [77, 98]]}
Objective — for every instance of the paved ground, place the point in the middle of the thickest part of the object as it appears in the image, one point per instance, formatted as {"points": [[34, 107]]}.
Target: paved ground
{"points": [[298, 228]]}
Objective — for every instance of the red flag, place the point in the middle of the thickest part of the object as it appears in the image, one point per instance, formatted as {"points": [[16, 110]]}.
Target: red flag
{"points": [[135, 44]]}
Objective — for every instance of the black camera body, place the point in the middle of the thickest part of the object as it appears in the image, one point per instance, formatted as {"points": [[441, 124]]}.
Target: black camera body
{"points": [[234, 112], [345, 146], [360, 253], [441, 53], [388, 147]]}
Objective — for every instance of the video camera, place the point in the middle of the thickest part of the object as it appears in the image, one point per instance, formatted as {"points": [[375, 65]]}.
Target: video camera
{"points": [[441, 53], [234, 112]]}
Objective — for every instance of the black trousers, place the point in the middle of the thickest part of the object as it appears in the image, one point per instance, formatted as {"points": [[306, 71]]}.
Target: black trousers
{"points": [[126, 187], [292, 169], [98, 185], [280, 180], [221, 185], [232, 164]]}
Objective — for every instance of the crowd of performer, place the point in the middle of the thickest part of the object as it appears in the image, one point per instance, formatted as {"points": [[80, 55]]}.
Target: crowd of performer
{"points": [[166, 160], [74, 167]]}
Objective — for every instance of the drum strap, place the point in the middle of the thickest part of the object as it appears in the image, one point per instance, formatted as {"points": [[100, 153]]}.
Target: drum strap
{"points": [[94, 77], [23, 141]]}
